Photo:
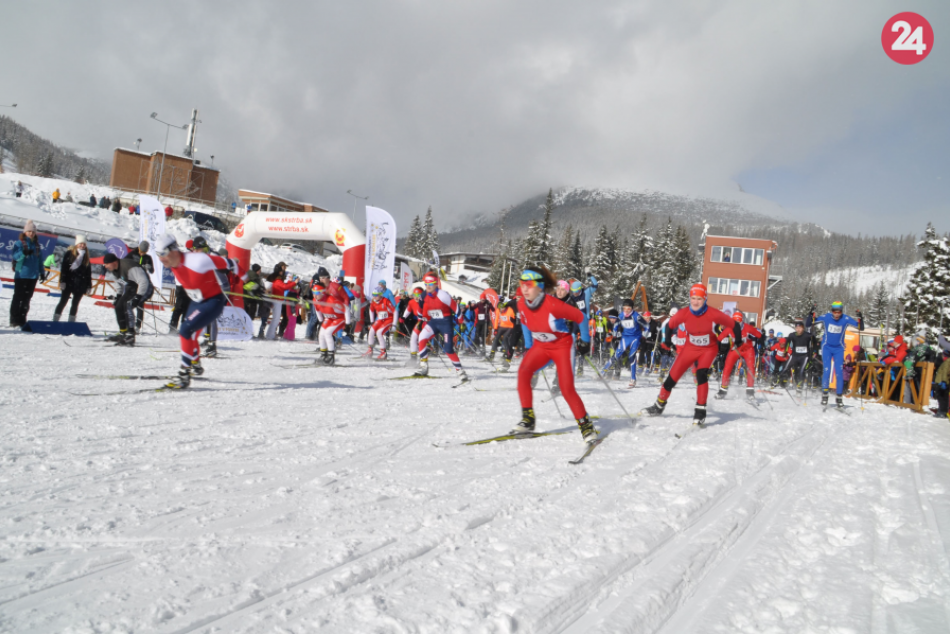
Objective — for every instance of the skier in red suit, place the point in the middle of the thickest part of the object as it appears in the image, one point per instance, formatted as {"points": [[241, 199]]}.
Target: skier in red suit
{"points": [[548, 337], [743, 348], [381, 315], [695, 326]]}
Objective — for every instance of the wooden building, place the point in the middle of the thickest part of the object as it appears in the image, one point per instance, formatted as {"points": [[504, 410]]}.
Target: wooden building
{"points": [[181, 177]]}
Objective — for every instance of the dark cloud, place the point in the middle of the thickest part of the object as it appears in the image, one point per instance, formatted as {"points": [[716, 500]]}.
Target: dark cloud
{"points": [[464, 106]]}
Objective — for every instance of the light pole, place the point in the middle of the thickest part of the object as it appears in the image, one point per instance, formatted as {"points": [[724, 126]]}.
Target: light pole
{"points": [[350, 192], [161, 170]]}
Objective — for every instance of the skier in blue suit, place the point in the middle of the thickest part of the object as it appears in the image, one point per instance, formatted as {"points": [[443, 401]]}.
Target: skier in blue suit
{"points": [[832, 348], [582, 299], [629, 327]]}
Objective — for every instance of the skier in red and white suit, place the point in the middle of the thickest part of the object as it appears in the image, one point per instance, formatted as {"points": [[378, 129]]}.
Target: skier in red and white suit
{"points": [[744, 348], [696, 326], [333, 314], [381, 311], [204, 278], [414, 308], [438, 310], [548, 337]]}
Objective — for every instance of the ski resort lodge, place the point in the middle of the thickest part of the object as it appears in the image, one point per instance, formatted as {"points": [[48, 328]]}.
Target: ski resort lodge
{"points": [[736, 274], [181, 176]]}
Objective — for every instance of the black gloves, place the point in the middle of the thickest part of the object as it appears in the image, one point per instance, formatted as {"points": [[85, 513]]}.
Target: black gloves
{"points": [[583, 348]]}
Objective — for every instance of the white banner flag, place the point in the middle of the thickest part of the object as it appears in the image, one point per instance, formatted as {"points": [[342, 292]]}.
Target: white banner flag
{"points": [[235, 325], [151, 227], [380, 249], [405, 276]]}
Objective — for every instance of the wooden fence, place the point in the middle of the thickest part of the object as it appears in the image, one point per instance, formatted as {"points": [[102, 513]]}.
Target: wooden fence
{"points": [[888, 384]]}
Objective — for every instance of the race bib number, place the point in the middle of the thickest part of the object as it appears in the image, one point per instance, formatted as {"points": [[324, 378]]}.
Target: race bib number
{"points": [[435, 314], [801, 349], [626, 323], [678, 341], [194, 294], [481, 317], [834, 330], [545, 337], [699, 341], [383, 314], [581, 305]]}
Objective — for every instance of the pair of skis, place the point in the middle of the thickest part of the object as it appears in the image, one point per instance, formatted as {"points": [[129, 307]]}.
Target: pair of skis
{"points": [[588, 450]]}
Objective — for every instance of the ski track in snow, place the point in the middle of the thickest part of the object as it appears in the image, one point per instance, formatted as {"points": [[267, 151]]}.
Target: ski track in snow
{"points": [[314, 500]]}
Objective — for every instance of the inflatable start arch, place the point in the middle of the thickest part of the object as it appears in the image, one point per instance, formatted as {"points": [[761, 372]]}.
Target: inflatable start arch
{"points": [[291, 227]]}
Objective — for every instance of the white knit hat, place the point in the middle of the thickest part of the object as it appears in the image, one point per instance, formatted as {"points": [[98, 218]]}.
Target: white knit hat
{"points": [[29, 226], [80, 238]]}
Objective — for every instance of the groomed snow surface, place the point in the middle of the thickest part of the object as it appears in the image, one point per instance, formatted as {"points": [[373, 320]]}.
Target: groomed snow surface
{"points": [[268, 499]]}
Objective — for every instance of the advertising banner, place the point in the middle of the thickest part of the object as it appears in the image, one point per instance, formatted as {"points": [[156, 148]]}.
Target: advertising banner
{"points": [[9, 237], [380, 249], [235, 325], [406, 277], [151, 228]]}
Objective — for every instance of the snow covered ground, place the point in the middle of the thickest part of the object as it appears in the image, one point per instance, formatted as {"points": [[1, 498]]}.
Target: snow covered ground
{"points": [[269, 499], [862, 279]]}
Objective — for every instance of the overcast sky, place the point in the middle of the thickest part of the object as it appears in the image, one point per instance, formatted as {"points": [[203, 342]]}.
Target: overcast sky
{"points": [[473, 106]]}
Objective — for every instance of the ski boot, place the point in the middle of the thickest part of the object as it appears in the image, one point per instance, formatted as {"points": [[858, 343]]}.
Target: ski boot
{"points": [[656, 409], [196, 368], [368, 353], [722, 393], [839, 402], [632, 384], [330, 359], [383, 356], [463, 378], [580, 370], [491, 356], [117, 337], [181, 381], [699, 415], [588, 432], [505, 365], [323, 355], [750, 393], [526, 425], [423, 368], [824, 399], [211, 350], [128, 339]]}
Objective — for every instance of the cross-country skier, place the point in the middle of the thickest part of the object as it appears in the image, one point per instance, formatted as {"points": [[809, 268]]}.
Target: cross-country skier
{"points": [[835, 325], [695, 326], [333, 315], [628, 332], [545, 321], [668, 341], [799, 344], [413, 313], [381, 315], [438, 311], [203, 277], [133, 289], [582, 300], [744, 348]]}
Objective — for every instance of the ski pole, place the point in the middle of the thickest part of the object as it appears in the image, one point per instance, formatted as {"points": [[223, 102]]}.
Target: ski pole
{"points": [[553, 397], [609, 389]]}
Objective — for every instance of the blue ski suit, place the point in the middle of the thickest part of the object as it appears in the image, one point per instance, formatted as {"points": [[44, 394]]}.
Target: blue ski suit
{"points": [[832, 348], [629, 328]]}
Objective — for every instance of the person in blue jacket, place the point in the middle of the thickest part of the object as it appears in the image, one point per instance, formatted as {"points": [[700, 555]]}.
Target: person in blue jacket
{"points": [[629, 331], [835, 324], [583, 300], [27, 266]]}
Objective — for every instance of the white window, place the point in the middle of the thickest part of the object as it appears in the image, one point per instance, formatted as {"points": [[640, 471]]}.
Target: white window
{"points": [[758, 257], [716, 254], [737, 255], [713, 285], [725, 286], [747, 256], [744, 288], [754, 291]]}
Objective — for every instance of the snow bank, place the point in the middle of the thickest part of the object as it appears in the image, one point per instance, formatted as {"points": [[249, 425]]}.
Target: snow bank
{"points": [[72, 218], [862, 279]]}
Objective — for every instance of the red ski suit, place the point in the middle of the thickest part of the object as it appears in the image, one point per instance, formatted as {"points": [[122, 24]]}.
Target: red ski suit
{"points": [[745, 349], [700, 347], [550, 341]]}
